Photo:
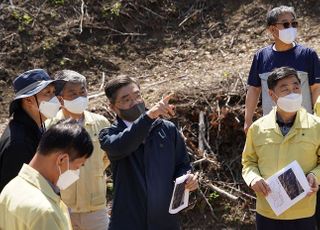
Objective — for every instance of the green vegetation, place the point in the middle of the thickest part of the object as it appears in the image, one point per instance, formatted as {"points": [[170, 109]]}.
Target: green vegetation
{"points": [[213, 195], [23, 19], [116, 8], [57, 2]]}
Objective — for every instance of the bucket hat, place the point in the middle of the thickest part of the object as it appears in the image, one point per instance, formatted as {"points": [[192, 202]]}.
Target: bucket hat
{"points": [[28, 84]]}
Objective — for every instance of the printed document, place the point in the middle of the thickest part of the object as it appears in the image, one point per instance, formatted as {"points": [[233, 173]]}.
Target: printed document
{"points": [[180, 196], [288, 186]]}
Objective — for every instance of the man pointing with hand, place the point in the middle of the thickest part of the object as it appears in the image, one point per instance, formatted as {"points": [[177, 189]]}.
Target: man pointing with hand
{"points": [[147, 153]]}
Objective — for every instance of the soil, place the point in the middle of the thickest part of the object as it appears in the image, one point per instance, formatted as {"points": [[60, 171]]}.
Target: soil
{"points": [[199, 49]]}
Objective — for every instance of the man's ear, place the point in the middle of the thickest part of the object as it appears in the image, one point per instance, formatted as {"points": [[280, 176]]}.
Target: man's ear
{"points": [[62, 161], [112, 107], [272, 95], [62, 158], [273, 30]]}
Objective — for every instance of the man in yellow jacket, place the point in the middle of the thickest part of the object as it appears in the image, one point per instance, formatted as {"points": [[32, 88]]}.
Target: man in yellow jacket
{"points": [[286, 134], [87, 197], [31, 200]]}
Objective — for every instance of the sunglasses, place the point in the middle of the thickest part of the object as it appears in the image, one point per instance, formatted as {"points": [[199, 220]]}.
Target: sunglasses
{"points": [[286, 25]]}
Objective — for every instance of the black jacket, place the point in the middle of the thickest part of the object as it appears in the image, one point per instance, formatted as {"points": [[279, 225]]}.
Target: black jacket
{"points": [[145, 160], [18, 145]]}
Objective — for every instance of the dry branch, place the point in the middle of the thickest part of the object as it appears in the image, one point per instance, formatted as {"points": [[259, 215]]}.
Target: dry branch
{"points": [[117, 32], [81, 17], [9, 36], [188, 17], [152, 12], [223, 192], [161, 82], [11, 3], [210, 206], [237, 190], [102, 82], [99, 93], [37, 14], [202, 130], [96, 95]]}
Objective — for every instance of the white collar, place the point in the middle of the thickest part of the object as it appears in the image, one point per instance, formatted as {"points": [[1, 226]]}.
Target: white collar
{"points": [[128, 123]]}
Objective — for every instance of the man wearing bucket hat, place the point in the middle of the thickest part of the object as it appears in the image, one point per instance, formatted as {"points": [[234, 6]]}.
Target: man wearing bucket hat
{"points": [[34, 102], [87, 197]]}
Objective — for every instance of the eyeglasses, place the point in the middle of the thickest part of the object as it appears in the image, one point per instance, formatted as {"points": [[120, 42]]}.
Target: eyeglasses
{"points": [[286, 25], [129, 100]]}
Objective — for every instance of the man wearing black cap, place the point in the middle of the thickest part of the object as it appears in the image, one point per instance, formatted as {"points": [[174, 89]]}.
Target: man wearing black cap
{"points": [[34, 102]]}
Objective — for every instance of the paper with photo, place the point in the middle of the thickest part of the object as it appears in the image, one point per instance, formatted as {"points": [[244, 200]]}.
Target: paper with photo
{"points": [[180, 195], [288, 186]]}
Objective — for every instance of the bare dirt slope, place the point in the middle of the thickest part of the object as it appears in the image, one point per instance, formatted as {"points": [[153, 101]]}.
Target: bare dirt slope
{"points": [[187, 47], [195, 42]]}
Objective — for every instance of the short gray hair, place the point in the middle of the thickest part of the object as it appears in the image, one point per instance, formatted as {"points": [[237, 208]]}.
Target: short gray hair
{"points": [[68, 76], [272, 15]]}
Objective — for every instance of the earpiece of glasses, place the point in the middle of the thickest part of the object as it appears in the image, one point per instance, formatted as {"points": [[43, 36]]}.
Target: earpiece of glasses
{"points": [[286, 25]]}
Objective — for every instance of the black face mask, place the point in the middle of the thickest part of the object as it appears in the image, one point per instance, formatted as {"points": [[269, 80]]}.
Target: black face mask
{"points": [[133, 113]]}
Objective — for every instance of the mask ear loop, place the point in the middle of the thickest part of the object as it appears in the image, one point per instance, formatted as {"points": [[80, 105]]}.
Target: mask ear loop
{"points": [[59, 170], [68, 163], [43, 127]]}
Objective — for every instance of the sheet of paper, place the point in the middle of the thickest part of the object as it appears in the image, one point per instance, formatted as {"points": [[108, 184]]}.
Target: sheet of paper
{"points": [[288, 186], [180, 196]]}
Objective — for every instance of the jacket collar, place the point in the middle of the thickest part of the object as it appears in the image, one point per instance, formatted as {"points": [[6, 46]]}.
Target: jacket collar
{"points": [[36, 179], [301, 120], [87, 117], [22, 117], [121, 125]]}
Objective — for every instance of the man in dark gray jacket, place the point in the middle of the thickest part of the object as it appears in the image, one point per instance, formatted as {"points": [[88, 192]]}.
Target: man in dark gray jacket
{"points": [[34, 102], [147, 153]]}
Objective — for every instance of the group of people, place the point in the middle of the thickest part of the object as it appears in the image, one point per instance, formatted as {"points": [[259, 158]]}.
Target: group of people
{"points": [[54, 153], [287, 75]]}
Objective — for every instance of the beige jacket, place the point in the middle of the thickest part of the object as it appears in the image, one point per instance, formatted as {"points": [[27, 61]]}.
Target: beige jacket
{"points": [[89, 192], [29, 202]]}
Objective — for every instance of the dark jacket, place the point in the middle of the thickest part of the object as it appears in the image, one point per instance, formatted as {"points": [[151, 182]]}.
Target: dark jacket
{"points": [[145, 160], [18, 145]]}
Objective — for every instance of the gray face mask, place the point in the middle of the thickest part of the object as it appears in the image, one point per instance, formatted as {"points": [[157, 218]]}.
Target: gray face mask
{"points": [[133, 113]]}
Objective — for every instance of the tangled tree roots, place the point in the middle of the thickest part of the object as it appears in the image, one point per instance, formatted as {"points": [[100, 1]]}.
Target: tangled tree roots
{"points": [[212, 123]]}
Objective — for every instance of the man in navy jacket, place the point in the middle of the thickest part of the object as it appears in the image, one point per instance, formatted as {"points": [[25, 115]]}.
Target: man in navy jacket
{"points": [[147, 153]]}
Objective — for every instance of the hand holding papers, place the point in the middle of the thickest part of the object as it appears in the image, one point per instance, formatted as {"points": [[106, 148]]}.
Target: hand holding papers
{"points": [[288, 186], [180, 196]]}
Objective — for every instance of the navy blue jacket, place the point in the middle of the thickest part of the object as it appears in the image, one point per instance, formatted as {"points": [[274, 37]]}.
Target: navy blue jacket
{"points": [[145, 159], [18, 144]]}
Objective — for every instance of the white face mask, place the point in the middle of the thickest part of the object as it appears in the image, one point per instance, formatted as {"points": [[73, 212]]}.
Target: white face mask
{"points": [[50, 108], [288, 35], [67, 178], [77, 106], [290, 103]]}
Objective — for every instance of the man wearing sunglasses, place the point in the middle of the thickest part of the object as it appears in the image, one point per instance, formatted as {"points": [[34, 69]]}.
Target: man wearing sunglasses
{"points": [[282, 25]]}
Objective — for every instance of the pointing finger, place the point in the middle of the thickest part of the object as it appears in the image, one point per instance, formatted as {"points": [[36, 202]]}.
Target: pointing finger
{"points": [[167, 98]]}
